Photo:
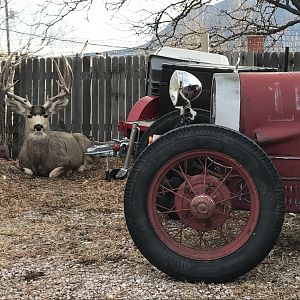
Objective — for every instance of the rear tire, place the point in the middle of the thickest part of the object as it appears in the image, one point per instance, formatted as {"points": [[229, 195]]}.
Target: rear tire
{"points": [[229, 201]]}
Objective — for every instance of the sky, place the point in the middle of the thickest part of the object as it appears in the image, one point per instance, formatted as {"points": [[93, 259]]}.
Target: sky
{"points": [[94, 31]]}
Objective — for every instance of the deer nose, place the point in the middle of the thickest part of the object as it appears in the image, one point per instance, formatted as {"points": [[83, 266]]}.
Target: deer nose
{"points": [[38, 127]]}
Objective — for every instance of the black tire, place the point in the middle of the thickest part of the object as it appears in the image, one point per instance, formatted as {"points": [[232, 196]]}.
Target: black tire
{"points": [[236, 179], [168, 122]]}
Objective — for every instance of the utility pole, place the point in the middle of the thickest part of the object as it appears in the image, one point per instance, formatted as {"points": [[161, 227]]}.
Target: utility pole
{"points": [[7, 27]]}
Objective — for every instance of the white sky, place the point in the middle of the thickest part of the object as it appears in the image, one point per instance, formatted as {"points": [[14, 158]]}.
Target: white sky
{"points": [[98, 27]]}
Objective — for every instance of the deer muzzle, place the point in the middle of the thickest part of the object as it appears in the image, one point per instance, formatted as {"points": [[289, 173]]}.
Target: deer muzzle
{"points": [[38, 127]]}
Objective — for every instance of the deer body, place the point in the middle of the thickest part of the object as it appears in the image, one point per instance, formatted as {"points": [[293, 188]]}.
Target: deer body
{"points": [[45, 152], [58, 149]]}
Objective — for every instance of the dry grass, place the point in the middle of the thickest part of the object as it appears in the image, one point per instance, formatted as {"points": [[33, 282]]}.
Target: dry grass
{"points": [[66, 238]]}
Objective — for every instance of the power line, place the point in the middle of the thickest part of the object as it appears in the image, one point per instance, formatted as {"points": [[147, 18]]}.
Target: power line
{"points": [[66, 40]]}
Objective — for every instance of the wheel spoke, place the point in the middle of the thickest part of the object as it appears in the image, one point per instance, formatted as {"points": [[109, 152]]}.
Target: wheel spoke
{"points": [[173, 192], [186, 179], [223, 180]]}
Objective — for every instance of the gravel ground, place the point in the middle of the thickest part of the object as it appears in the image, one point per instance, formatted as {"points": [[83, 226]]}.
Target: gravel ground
{"points": [[66, 238]]}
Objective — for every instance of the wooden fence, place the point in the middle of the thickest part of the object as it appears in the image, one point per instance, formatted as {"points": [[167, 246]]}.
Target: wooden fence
{"points": [[104, 90]]}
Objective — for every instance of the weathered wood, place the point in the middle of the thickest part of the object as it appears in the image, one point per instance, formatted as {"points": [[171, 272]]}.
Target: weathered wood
{"points": [[95, 99], [101, 67], [86, 90], [235, 57], [35, 80], [259, 59], [121, 90], [14, 130], [243, 58], [48, 77], [68, 109], [107, 127], [274, 60], [142, 75], [128, 74], [28, 90], [55, 91], [250, 60], [135, 79], [267, 59], [77, 95], [297, 61], [23, 92], [42, 81], [281, 58], [114, 96]]}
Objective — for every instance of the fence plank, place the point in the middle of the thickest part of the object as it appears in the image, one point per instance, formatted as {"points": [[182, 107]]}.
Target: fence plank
{"points": [[259, 59], [35, 80], [114, 96], [281, 58], [135, 79], [23, 79], [77, 95], [41, 83], [95, 99], [16, 119], [121, 92], [267, 59], [68, 109], [297, 61], [274, 60], [128, 74], [107, 127], [101, 67], [55, 117], [86, 90], [250, 59], [142, 75], [48, 77]]}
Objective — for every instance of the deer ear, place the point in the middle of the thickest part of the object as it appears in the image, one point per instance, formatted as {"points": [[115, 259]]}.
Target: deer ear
{"points": [[16, 106], [55, 106]]}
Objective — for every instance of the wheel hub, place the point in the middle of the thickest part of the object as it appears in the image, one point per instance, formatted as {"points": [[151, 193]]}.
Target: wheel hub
{"points": [[203, 202], [202, 207]]}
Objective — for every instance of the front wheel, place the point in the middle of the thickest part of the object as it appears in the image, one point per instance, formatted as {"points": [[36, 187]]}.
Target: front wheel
{"points": [[227, 197]]}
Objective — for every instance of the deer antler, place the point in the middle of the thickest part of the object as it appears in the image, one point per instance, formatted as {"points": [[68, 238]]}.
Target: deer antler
{"points": [[6, 82], [65, 82]]}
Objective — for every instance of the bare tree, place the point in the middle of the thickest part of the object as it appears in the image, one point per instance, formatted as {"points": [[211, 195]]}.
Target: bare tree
{"points": [[225, 24]]}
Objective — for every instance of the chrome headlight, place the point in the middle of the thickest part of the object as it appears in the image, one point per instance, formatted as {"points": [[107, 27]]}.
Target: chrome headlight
{"points": [[184, 87]]}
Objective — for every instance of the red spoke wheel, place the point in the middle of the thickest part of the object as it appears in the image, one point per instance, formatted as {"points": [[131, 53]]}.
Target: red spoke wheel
{"points": [[227, 197]]}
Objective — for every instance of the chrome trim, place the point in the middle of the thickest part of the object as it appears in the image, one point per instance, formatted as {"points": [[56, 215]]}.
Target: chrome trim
{"points": [[285, 157], [290, 178]]}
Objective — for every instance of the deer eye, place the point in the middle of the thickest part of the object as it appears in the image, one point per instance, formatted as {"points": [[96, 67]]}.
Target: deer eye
{"points": [[29, 116], [46, 116]]}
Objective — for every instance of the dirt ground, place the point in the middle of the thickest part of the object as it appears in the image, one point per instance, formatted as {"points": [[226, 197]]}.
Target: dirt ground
{"points": [[66, 238]]}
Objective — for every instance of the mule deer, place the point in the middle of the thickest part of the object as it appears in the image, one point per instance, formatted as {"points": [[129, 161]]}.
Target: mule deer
{"points": [[45, 152]]}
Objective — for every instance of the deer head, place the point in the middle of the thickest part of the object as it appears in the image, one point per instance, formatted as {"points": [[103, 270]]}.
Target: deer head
{"points": [[36, 116]]}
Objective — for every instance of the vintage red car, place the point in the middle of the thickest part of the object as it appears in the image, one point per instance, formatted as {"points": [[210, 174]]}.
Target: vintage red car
{"points": [[155, 113], [206, 202]]}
